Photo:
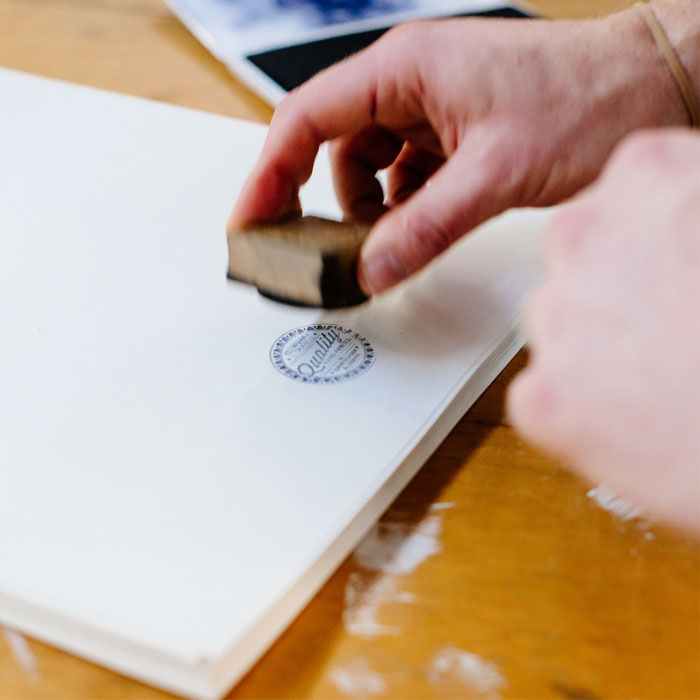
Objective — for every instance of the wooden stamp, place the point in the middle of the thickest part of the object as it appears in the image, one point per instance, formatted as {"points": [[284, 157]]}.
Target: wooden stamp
{"points": [[306, 261]]}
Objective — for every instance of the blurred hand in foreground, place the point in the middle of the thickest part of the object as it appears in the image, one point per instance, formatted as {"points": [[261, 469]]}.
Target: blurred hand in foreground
{"points": [[613, 384]]}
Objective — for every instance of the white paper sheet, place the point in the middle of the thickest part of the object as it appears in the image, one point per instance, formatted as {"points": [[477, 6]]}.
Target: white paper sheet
{"points": [[169, 500]]}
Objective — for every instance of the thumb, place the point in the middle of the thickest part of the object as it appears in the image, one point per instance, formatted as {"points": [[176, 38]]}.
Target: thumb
{"points": [[463, 193]]}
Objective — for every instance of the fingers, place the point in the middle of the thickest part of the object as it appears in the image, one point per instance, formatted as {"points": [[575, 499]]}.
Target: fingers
{"points": [[355, 161], [265, 196], [473, 185], [357, 158], [411, 170], [373, 86], [339, 100]]}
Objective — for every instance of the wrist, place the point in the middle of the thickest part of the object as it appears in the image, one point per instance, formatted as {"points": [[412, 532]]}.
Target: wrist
{"points": [[674, 28], [648, 92]]}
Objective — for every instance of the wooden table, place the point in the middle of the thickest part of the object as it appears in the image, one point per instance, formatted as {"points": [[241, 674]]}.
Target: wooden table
{"points": [[535, 592]]}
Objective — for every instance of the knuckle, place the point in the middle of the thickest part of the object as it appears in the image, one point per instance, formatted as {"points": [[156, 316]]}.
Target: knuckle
{"points": [[406, 33], [294, 109], [403, 40], [286, 106], [289, 113]]}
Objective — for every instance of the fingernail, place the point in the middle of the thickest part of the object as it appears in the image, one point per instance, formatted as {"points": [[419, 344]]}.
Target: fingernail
{"points": [[379, 271]]}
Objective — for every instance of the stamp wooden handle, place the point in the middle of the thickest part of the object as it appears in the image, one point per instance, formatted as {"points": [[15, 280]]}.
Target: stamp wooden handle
{"points": [[307, 261]]}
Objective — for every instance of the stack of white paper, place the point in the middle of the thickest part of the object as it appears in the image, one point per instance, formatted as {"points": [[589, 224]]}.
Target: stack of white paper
{"points": [[172, 492]]}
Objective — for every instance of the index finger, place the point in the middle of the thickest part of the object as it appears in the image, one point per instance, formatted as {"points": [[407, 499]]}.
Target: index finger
{"points": [[342, 99]]}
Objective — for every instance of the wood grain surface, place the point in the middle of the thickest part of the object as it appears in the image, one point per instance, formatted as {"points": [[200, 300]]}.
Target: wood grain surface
{"points": [[514, 583]]}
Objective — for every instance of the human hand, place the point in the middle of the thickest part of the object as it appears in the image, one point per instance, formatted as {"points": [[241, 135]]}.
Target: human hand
{"points": [[471, 117], [613, 383]]}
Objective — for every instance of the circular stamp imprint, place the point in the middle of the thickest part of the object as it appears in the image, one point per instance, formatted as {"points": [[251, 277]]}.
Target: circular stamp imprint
{"points": [[322, 353]]}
